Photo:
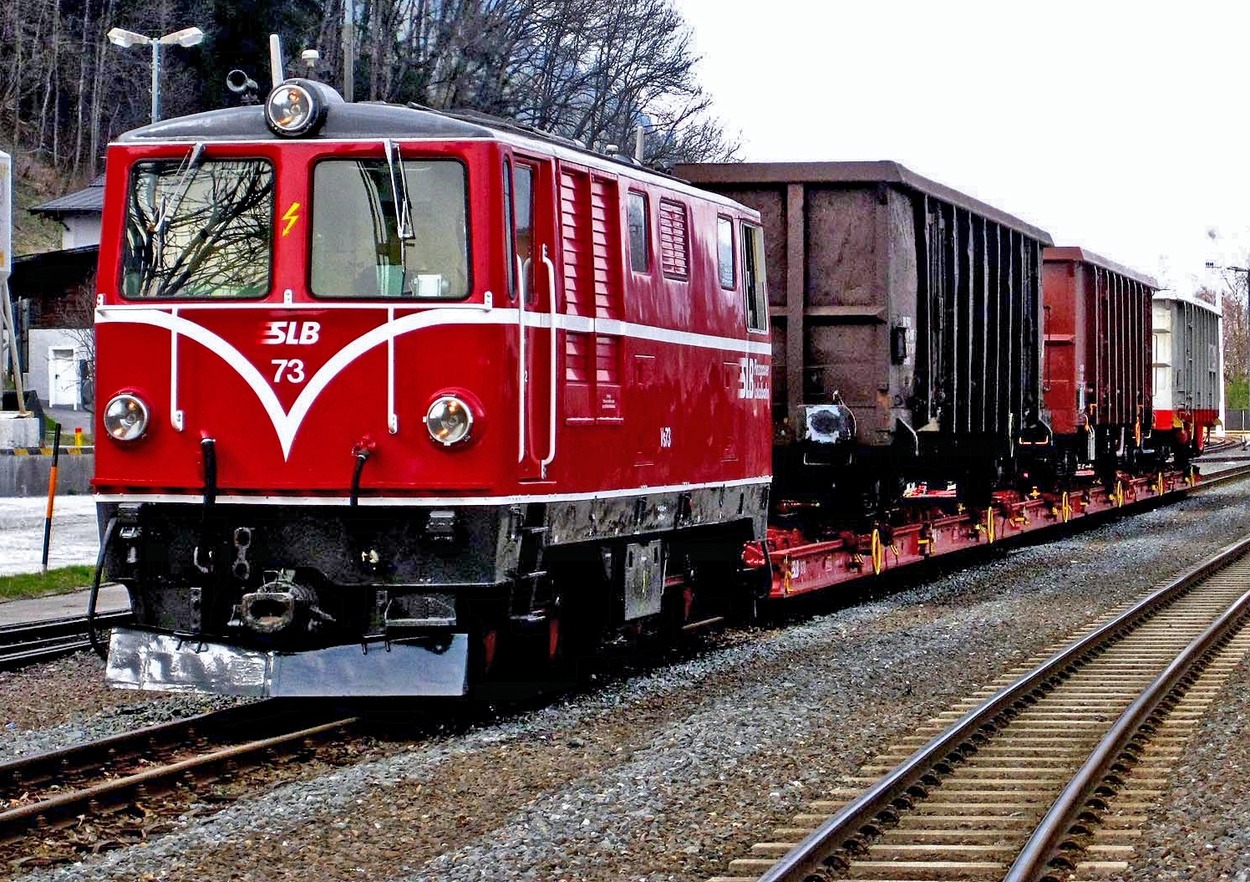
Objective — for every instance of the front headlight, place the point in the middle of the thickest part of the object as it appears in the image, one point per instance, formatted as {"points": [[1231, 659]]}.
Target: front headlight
{"points": [[449, 420], [126, 417]]}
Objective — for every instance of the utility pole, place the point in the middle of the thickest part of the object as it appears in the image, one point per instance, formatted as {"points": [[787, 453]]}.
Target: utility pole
{"points": [[349, 51]]}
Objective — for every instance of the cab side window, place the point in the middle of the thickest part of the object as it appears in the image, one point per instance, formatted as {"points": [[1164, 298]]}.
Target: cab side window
{"points": [[754, 285], [725, 252], [639, 232]]}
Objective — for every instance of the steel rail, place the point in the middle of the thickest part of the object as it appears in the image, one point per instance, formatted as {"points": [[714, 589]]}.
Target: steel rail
{"points": [[1223, 476], [1040, 850], [35, 641], [857, 818], [99, 798], [55, 627], [38, 767]]}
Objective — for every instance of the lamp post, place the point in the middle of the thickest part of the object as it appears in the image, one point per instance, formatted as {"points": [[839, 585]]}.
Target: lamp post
{"points": [[186, 38]]}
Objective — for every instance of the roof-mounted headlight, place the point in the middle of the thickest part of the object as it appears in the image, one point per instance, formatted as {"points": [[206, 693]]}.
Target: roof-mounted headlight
{"points": [[298, 107]]}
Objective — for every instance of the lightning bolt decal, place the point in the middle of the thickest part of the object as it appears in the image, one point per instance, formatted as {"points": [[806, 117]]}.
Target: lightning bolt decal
{"points": [[291, 217]]}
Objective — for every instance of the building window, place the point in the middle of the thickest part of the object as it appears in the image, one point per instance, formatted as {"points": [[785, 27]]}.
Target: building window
{"points": [[639, 235], [674, 257], [725, 251]]}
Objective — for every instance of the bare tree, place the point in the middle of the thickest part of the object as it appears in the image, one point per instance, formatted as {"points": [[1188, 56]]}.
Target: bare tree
{"points": [[78, 317], [580, 68]]}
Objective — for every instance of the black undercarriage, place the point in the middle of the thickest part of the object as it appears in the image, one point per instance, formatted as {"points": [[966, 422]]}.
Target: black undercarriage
{"points": [[293, 578]]}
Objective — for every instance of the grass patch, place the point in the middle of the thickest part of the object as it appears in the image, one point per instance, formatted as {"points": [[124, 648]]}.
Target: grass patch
{"points": [[58, 581]]}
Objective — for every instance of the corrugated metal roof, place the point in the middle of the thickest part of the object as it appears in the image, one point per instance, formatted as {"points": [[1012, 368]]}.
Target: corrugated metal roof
{"points": [[87, 200]]}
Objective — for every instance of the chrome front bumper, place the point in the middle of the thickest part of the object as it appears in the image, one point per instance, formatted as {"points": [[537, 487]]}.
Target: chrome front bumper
{"points": [[146, 660]]}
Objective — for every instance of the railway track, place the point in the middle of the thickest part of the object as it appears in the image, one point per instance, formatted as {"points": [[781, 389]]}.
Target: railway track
{"points": [[100, 788], [39, 641], [1045, 774]]}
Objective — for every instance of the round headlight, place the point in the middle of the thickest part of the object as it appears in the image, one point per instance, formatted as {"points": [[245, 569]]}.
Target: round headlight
{"points": [[449, 420], [293, 109], [126, 417]]}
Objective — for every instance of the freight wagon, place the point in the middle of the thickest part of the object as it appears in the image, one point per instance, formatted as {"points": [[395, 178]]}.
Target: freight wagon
{"points": [[1188, 371], [907, 329], [1098, 363]]}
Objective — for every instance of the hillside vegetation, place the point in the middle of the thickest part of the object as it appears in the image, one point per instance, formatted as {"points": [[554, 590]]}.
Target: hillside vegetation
{"points": [[34, 182], [579, 68]]}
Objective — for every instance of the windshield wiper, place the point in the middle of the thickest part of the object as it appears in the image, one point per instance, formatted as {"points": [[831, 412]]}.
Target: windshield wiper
{"points": [[164, 211], [399, 191], [403, 208]]}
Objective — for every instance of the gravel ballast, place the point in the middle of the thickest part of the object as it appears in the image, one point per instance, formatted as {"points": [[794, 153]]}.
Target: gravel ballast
{"points": [[66, 701], [671, 773]]}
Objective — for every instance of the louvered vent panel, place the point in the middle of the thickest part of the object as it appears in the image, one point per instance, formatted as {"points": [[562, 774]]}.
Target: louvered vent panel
{"points": [[575, 223], [607, 359], [606, 239], [674, 259], [577, 357]]}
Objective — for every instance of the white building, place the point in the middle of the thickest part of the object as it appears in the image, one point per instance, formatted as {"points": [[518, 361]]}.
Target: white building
{"points": [[53, 295]]}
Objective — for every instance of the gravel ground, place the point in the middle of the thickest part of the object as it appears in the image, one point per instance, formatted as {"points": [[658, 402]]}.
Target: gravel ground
{"points": [[671, 773], [1201, 829]]}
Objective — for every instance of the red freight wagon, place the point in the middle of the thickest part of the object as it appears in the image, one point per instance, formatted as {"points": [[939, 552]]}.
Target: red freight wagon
{"points": [[1097, 360]]}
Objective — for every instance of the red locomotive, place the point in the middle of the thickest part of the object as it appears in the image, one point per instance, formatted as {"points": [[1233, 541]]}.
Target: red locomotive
{"points": [[392, 395]]}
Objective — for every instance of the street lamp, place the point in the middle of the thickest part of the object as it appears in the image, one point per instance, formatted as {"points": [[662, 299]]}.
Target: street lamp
{"points": [[187, 37]]}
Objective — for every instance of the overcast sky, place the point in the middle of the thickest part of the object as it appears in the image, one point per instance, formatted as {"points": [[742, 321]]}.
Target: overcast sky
{"points": [[1123, 127]]}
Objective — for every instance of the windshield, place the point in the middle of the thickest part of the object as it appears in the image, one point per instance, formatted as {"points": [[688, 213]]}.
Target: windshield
{"points": [[357, 248], [198, 230]]}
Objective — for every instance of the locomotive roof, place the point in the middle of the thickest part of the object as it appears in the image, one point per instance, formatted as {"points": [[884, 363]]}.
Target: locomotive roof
{"points": [[1076, 254], [850, 173], [354, 121]]}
